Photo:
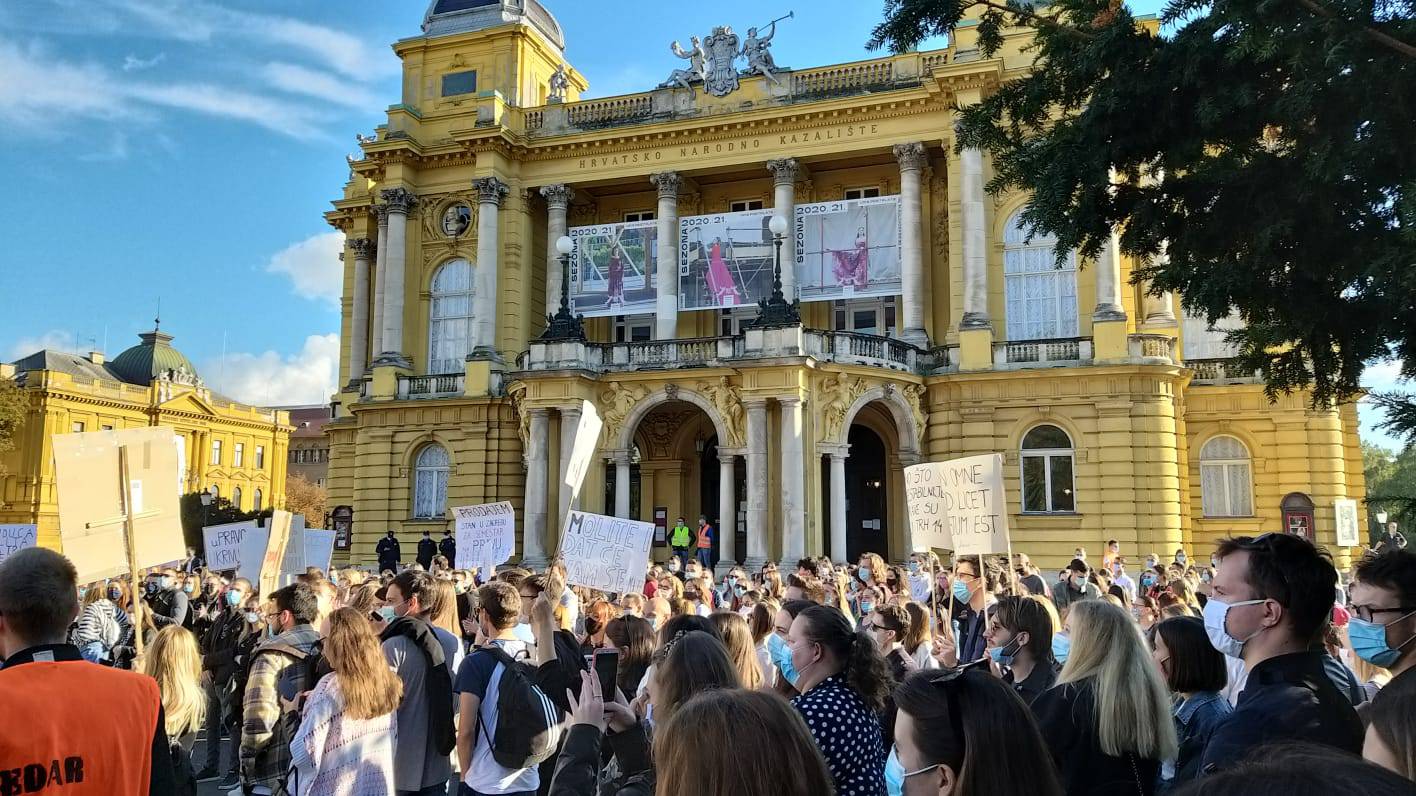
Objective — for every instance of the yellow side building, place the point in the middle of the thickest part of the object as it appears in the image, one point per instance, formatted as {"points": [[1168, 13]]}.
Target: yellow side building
{"points": [[233, 450], [930, 325]]}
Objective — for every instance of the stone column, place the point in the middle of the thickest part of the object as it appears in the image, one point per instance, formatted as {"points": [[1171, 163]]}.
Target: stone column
{"points": [[756, 480], [911, 157], [359, 317], [727, 510], [570, 420], [533, 549], [784, 177], [666, 267], [838, 507], [622, 462], [490, 193], [1159, 310], [557, 203], [1108, 282], [399, 201], [793, 481], [380, 267], [975, 243]]}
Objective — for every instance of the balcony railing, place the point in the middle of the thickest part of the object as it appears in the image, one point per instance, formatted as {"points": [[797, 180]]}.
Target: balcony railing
{"points": [[657, 354], [863, 349], [441, 385], [1221, 371], [1059, 352], [1153, 346], [838, 80]]}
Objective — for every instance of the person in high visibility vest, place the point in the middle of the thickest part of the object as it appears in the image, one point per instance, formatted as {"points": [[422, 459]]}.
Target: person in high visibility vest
{"points": [[705, 542], [680, 540], [52, 695]]}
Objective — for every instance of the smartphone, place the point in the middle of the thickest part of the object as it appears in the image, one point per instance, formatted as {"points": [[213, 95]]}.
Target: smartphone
{"points": [[606, 665]]}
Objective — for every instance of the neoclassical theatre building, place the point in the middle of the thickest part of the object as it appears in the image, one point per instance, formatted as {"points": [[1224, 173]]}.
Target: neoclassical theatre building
{"points": [[930, 325]]}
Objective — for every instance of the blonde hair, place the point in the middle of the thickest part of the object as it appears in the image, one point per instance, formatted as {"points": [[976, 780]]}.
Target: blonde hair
{"points": [[737, 637], [370, 688], [443, 611], [1132, 703], [175, 663]]}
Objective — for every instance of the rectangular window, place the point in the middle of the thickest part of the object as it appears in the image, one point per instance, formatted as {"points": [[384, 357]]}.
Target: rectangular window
{"points": [[634, 328], [454, 83], [745, 204], [105, 427], [731, 322], [216, 451], [1048, 486], [1041, 298], [640, 215], [238, 454], [861, 193], [77, 428], [867, 316], [260, 457], [1224, 490]]}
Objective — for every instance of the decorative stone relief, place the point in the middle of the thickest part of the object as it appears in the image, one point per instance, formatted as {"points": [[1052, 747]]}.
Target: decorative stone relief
{"points": [[841, 392], [938, 206], [914, 396], [516, 391], [727, 399], [615, 405]]}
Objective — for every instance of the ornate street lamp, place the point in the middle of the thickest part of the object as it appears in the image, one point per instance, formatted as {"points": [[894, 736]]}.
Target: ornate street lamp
{"points": [[776, 310], [564, 325]]}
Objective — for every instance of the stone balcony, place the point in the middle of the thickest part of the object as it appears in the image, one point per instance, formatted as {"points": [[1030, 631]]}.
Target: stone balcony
{"points": [[1219, 372]]}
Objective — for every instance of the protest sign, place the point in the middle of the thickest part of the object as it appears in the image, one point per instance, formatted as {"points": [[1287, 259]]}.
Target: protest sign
{"points": [[276, 542], [1347, 531], [958, 505], [486, 535], [606, 553], [14, 538], [93, 508], [222, 544], [319, 548], [587, 434]]}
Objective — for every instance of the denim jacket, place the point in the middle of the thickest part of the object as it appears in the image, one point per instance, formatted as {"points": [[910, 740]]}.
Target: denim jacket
{"points": [[1195, 720]]}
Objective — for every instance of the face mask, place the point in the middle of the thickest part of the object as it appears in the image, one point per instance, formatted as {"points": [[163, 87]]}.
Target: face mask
{"points": [[673, 566], [1370, 644], [1216, 617], [1081, 555], [387, 613], [164, 583], [866, 608], [1180, 558], [913, 567], [782, 657], [1147, 582], [1002, 656], [1205, 577], [252, 617], [863, 574], [1079, 583], [961, 591], [746, 611], [1151, 562], [654, 622], [739, 590], [115, 594], [1061, 647], [189, 588], [233, 598], [894, 774]]}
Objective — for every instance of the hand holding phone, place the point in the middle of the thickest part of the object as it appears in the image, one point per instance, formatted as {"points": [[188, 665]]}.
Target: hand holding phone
{"points": [[606, 666]]}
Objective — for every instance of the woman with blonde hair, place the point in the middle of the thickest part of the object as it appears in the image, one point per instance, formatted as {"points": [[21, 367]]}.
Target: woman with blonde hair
{"points": [[737, 637], [175, 662], [1107, 721], [871, 570], [346, 736]]}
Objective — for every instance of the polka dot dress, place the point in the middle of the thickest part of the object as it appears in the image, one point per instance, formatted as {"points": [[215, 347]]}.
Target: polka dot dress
{"points": [[849, 736]]}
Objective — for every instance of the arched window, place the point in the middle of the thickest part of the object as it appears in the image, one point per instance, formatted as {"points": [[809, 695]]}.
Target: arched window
{"points": [[1041, 298], [256, 501], [450, 320], [1048, 485], [1226, 485], [236, 497], [430, 482]]}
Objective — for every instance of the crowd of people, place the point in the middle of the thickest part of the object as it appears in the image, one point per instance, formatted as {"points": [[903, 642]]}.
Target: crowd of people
{"points": [[1260, 668]]}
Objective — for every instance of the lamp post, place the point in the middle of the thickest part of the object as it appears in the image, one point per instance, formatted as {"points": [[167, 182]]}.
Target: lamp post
{"points": [[206, 507], [776, 310], [564, 325]]}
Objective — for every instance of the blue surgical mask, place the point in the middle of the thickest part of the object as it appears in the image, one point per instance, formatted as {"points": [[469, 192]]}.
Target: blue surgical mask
{"points": [[164, 583], [252, 617], [864, 574], [894, 774], [1001, 656], [739, 590], [189, 588], [866, 608], [913, 567], [233, 598], [1370, 643], [1061, 647], [781, 655], [115, 594], [961, 591], [387, 613]]}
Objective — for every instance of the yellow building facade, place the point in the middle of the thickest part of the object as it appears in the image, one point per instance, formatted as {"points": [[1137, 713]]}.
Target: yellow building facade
{"points": [[234, 450], [1117, 417]]}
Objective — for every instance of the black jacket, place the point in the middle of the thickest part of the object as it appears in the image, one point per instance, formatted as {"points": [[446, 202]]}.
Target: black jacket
{"points": [[1066, 715], [389, 553], [169, 607], [1287, 698], [220, 644], [448, 548], [427, 548], [578, 769]]}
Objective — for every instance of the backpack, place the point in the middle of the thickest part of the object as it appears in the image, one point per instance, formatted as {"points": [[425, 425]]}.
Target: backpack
{"points": [[293, 680], [529, 723]]}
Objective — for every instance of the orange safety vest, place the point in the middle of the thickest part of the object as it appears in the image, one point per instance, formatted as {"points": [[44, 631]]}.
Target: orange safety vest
{"points": [[76, 727], [703, 540]]}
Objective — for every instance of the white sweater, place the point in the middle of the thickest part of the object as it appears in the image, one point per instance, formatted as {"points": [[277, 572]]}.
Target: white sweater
{"points": [[335, 755]]}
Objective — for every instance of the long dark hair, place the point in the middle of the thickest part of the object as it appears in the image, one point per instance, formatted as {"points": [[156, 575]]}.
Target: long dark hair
{"points": [[975, 724], [865, 671], [635, 639]]}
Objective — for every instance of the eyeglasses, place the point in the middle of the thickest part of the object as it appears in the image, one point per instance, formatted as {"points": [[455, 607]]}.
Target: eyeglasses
{"points": [[1365, 612]]}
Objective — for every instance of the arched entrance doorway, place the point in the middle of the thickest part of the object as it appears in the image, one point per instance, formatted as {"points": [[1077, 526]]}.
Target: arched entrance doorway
{"points": [[867, 473]]}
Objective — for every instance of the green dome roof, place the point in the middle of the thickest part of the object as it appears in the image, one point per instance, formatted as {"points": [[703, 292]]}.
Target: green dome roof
{"points": [[151, 358]]}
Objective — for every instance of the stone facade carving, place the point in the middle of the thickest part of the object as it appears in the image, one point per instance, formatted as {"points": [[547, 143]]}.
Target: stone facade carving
{"points": [[914, 396], [841, 392], [363, 248], [721, 77], [516, 391], [938, 203], [757, 50], [727, 399], [911, 155], [398, 200], [616, 403], [490, 190], [784, 170], [697, 65], [668, 183], [660, 429], [558, 85], [557, 196]]}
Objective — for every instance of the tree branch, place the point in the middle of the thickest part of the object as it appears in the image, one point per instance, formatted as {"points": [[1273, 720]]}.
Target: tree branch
{"points": [[1035, 18], [1375, 35]]}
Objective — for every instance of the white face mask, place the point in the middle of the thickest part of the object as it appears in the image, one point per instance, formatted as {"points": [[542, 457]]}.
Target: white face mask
{"points": [[1216, 626]]}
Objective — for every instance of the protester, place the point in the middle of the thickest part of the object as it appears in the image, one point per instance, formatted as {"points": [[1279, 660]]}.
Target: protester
{"points": [[633, 637], [1194, 672], [961, 733], [422, 659], [785, 678], [918, 639], [346, 737], [1019, 641], [1391, 725], [223, 636], [921, 567], [760, 622], [176, 664], [104, 729], [737, 637], [1075, 587], [843, 682], [477, 685], [169, 604], [99, 634], [265, 737], [1028, 576], [1107, 721], [973, 603], [1383, 604], [1272, 596]]}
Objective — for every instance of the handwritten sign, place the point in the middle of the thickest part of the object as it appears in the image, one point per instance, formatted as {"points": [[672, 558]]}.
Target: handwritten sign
{"points": [[279, 537], [606, 553], [958, 505], [486, 535], [587, 434], [222, 544], [14, 538], [1346, 511]]}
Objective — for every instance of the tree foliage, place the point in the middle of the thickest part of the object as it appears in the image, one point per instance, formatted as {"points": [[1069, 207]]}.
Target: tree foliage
{"points": [[1391, 482], [1256, 156], [303, 496], [14, 404], [195, 516]]}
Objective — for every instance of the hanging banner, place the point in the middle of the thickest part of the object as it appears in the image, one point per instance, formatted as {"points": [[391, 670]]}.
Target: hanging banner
{"points": [[848, 249], [1348, 534], [14, 538], [222, 544], [92, 507], [587, 434], [725, 260], [486, 535], [958, 505], [606, 553], [613, 267]]}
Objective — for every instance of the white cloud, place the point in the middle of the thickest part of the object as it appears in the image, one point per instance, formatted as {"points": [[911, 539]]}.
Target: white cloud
{"points": [[132, 63], [54, 340], [295, 79], [116, 150], [313, 266], [272, 379], [1380, 377]]}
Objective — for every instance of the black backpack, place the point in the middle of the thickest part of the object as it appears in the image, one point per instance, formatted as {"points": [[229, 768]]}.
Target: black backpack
{"points": [[528, 722], [293, 680]]}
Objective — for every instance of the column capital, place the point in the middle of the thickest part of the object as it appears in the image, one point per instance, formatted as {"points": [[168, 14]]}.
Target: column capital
{"points": [[490, 190], [363, 248], [836, 450], [756, 403], [538, 412], [789, 400], [727, 458], [380, 214], [398, 200], [785, 171], [570, 411], [668, 183], [911, 156], [621, 457], [557, 196]]}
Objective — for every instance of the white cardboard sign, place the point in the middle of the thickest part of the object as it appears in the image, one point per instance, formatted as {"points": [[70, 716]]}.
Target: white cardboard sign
{"points": [[319, 548], [606, 553], [958, 505], [14, 538], [222, 544], [486, 535], [587, 434]]}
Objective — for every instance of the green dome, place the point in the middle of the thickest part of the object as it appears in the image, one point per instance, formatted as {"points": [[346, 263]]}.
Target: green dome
{"points": [[151, 358]]}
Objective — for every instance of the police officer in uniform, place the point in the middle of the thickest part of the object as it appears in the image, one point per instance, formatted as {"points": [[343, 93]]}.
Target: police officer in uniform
{"points": [[389, 553], [447, 548]]}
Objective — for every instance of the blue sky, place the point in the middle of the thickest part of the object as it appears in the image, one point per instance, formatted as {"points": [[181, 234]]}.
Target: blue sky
{"points": [[184, 151]]}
